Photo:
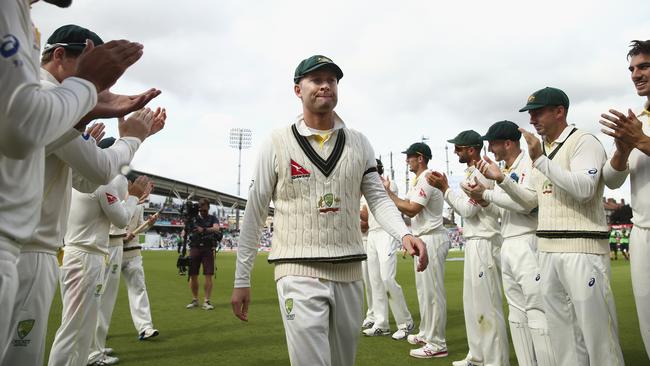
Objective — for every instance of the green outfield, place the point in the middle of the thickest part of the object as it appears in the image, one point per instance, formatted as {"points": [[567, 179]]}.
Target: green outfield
{"points": [[199, 337]]}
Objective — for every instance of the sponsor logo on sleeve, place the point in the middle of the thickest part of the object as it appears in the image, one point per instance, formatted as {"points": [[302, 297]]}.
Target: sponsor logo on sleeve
{"points": [[110, 198], [9, 46], [422, 193], [592, 171]]}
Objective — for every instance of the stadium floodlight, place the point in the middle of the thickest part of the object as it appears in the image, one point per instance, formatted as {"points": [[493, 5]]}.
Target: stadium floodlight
{"points": [[240, 138]]}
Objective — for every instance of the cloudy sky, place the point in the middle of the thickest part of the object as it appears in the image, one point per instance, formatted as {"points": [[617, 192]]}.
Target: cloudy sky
{"points": [[413, 69]]}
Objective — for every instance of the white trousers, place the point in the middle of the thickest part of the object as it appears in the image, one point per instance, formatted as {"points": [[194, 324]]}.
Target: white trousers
{"points": [[321, 320], [521, 284], [430, 285], [580, 308], [370, 313], [38, 275], [640, 267], [382, 251], [8, 290], [81, 280], [133, 274], [112, 272], [482, 304]]}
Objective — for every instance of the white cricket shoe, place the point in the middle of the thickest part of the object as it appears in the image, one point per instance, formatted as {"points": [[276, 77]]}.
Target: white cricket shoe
{"points": [[403, 330], [193, 304], [108, 351], [462, 363], [416, 339], [367, 324], [373, 332], [428, 351], [148, 333], [106, 360], [207, 305]]}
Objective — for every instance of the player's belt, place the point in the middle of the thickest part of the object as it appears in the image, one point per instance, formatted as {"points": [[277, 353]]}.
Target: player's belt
{"points": [[117, 236], [131, 248], [568, 234]]}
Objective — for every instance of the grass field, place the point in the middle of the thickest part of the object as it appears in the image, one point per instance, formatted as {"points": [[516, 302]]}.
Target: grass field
{"points": [[198, 337]]}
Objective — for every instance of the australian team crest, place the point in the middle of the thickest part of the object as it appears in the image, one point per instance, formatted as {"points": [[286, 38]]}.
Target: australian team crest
{"points": [[329, 203], [25, 327], [288, 307]]}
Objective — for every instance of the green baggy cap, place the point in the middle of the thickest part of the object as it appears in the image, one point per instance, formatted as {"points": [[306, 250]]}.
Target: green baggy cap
{"points": [[314, 63], [544, 97]]}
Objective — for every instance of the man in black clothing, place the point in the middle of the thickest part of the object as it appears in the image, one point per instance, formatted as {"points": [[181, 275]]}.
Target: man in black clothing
{"points": [[203, 239]]}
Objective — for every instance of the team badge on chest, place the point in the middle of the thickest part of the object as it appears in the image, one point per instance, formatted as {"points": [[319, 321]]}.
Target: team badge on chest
{"points": [[329, 203]]}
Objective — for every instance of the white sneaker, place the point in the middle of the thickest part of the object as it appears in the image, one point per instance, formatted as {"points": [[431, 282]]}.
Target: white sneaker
{"points": [[207, 305], [367, 324], [428, 351], [372, 332], [108, 351], [106, 360], [148, 333], [193, 304], [403, 330], [461, 363], [416, 339]]}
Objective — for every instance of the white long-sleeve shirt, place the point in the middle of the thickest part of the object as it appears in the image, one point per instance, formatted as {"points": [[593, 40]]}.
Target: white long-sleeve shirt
{"points": [[639, 171], [480, 222], [92, 167], [515, 219], [580, 181], [92, 213], [31, 116], [262, 189]]}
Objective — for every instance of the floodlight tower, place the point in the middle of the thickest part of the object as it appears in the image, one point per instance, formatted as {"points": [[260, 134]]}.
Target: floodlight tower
{"points": [[240, 138]]}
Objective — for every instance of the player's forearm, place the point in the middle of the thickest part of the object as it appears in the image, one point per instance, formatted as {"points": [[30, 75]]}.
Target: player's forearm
{"points": [[461, 204], [503, 200], [615, 172], [35, 117], [525, 197], [644, 145], [97, 165], [382, 207]]}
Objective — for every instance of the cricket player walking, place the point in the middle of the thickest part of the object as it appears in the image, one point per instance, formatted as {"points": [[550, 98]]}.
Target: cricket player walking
{"points": [[316, 171]]}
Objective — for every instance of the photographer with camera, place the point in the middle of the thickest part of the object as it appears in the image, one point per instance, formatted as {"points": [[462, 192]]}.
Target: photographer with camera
{"points": [[204, 235]]}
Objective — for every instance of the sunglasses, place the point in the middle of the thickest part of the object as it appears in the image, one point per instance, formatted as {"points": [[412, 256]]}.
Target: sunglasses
{"points": [[49, 47]]}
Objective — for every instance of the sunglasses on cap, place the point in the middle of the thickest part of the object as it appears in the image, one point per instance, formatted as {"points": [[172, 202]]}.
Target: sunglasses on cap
{"points": [[48, 47]]}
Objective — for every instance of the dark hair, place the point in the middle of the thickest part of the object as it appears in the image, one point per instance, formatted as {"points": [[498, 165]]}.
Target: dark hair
{"points": [[637, 47], [69, 52], [204, 201]]}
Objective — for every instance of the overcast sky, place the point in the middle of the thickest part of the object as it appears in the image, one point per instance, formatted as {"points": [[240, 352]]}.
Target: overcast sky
{"points": [[413, 69]]}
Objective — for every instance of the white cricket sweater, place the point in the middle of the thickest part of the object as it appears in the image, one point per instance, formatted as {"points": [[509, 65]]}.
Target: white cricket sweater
{"points": [[568, 223], [262, 190], [92, 213], [639, 171]]}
